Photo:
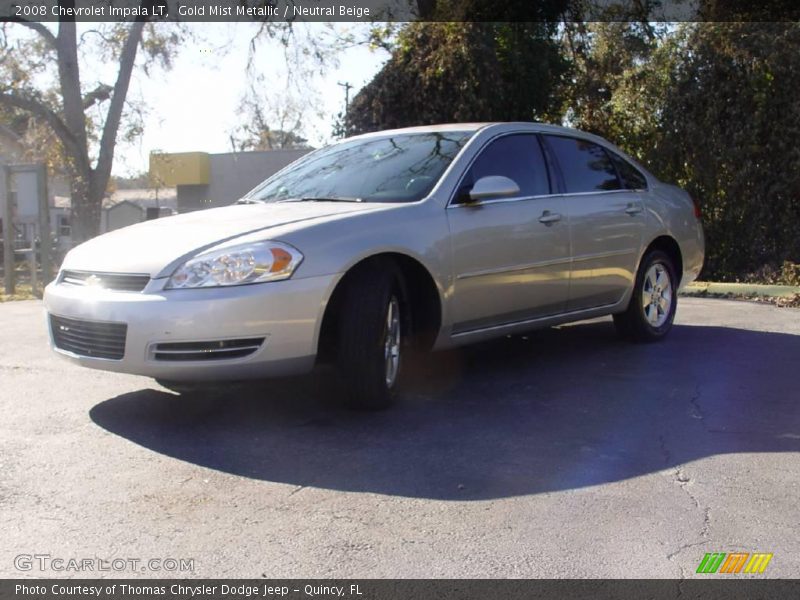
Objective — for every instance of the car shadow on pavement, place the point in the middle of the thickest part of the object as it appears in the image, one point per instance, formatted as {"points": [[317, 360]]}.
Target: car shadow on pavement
{"points": [[559, 409]]}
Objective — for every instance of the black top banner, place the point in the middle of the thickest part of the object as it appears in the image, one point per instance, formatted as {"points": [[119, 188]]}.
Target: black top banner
{"points": [[399, 10], [398, 589]]}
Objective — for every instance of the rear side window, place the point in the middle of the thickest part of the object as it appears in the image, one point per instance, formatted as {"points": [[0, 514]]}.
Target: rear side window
{"points": [[632, 179], [518, 157], [586, 166]]}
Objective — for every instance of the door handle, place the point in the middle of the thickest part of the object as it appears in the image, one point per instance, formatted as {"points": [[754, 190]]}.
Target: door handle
{"points": [[549, 218], [633, 209]]}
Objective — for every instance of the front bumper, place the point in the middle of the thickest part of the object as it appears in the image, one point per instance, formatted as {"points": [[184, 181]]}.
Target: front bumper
{"points": [[288, 314]]}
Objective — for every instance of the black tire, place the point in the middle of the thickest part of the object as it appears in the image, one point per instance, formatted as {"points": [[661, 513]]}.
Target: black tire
{"points": [[634, 324], [362, 334]]}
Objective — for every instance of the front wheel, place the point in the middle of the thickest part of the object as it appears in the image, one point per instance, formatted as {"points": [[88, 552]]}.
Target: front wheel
{"points": [[371, 336], [651, 310]]}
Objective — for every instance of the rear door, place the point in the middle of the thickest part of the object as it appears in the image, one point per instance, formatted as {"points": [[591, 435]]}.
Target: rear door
{"points": [[606, 220], [510, 255]]}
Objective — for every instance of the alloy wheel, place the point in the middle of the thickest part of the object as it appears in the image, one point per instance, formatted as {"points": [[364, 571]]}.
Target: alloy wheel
{"points": [[657, 295], [391, 349]]}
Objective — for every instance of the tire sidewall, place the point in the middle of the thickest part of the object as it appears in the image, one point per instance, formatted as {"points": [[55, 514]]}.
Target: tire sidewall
{"points": [[364, 373]]}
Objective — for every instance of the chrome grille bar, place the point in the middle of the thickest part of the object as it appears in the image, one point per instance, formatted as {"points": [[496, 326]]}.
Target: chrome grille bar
{"points": [[92, 339], [118, 282], [206, 350]]}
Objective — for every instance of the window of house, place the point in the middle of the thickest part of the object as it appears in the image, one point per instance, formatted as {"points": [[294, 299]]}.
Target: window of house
{"points": [[64, 229]]}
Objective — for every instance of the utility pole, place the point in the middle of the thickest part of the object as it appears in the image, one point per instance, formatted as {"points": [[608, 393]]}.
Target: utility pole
{"points": [[45, 237], [347, 86], [8, 229]]}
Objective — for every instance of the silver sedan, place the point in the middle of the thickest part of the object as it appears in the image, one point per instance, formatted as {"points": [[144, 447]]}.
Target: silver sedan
{"points": [[381, 244]]}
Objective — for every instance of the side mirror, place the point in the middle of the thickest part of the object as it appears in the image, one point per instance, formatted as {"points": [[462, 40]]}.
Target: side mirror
{"points": [[493, 186]]}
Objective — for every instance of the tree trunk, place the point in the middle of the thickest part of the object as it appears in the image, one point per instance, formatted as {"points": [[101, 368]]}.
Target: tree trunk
{"points": [[85, 218], [88, 186]]}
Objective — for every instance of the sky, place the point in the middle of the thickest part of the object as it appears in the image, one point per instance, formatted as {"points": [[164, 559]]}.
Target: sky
{"points": [[193, 106]]}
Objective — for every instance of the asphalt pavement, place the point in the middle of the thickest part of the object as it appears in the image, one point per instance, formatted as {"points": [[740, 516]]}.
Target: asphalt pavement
{"points": [[564, 453]]}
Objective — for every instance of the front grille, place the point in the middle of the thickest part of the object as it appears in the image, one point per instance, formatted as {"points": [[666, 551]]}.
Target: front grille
{"points": [[217, 350], [89, 338], [118, 282]]}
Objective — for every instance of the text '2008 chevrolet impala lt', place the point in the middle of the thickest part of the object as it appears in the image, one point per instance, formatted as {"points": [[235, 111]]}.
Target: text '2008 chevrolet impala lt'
{"points": [[420, 238]]}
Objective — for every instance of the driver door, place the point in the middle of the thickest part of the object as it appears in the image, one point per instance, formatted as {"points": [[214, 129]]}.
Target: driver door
{"points": [[510, 255]]}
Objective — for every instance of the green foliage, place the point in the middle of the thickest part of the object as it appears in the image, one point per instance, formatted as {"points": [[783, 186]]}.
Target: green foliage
{"points": [[510, 10], [735, 124], [787, 274], [712, 107], [443, 72]]}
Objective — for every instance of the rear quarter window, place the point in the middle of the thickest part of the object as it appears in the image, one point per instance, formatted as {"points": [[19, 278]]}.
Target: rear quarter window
{"points": [[586, 166], [632, 178]]}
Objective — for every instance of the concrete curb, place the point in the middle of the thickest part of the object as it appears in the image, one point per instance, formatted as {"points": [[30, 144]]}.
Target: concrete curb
{"points": [[703, 288]]}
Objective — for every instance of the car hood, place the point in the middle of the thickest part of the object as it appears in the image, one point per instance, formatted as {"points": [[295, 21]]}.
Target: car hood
{"points": [[152, 246]]}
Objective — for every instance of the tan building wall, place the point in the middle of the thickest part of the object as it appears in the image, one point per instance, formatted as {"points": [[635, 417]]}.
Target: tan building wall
{"points": [[211, 180]]}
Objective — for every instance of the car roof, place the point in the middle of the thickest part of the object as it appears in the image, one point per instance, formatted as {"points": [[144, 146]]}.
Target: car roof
{"points": [[422, 129], [472, 127]]}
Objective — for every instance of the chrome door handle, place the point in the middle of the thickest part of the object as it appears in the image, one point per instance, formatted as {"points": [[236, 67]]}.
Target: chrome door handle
{"points": [[549, 218], [633, 209]]}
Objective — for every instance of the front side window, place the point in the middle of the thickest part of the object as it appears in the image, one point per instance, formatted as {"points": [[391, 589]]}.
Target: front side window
{"points": [[397, 168], [518, 157], [586, 166]]}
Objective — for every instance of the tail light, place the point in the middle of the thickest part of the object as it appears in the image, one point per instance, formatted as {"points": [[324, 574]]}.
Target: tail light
{"points": [[697, 212]]}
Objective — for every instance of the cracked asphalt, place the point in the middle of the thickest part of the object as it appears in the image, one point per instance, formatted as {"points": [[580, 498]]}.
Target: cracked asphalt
{"points": [[564, 453]]}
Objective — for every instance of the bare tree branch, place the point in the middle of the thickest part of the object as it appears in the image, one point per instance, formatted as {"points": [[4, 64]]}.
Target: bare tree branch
{"points": [[35, 107], [97, 32], [101, 93], [38, 28]]}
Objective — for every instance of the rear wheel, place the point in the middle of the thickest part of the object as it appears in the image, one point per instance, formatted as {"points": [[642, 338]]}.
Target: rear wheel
{"points": [[372, 336], [651, 310]]}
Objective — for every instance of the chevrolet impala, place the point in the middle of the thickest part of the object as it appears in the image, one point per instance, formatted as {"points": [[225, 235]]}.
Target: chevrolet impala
{"points": [[358, 253]]}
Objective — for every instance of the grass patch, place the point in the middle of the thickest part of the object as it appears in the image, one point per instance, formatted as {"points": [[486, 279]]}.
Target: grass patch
{"points": [[23, 292], [791, 301], [22, 288]]}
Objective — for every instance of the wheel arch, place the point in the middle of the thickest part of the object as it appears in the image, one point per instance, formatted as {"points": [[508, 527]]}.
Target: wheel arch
{"points": [[421, 294], [669, 246]]}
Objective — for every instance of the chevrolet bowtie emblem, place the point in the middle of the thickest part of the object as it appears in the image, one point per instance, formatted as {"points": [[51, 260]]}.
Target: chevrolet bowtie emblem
{"points": [[93, 281]]}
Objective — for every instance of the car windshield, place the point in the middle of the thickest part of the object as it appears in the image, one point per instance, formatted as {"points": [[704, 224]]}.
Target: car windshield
{"points": [[396, 168]]}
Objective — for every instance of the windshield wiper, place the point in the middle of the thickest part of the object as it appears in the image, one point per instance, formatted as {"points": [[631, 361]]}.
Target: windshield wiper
{"points": [[259, 201], [332, 199]]}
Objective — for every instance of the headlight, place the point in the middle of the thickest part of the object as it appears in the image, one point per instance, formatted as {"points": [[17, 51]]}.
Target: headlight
{"points": [[237, 265]]}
